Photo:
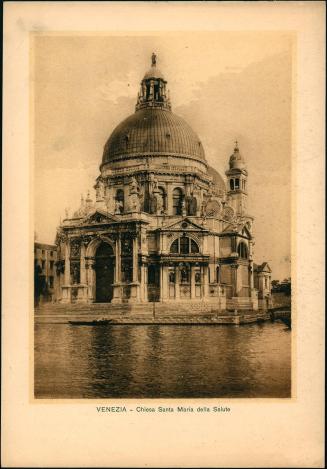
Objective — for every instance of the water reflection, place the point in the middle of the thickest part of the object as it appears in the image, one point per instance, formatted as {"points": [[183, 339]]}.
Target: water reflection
{"points": [[162, 361]]}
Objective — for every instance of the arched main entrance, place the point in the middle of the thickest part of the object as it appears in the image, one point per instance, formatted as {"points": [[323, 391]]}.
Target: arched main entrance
{"points": [[104, 273]]}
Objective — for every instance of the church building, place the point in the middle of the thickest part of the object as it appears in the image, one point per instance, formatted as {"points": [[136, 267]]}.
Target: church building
{"points": [[165, 226]]}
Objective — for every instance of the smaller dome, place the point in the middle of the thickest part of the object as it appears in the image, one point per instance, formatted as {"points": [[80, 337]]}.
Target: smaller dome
{"points": [[217, 179], [236, 160]]}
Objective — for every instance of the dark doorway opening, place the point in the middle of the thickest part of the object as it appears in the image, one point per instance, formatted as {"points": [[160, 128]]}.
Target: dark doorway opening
{"points": [[104, 273], [153, 283]]}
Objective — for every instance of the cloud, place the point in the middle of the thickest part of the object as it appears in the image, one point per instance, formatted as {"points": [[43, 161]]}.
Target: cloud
{"points": [[117, 89]]}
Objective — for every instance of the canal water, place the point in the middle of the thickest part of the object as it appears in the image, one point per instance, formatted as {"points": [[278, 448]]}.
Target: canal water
{"points": [[148, 361]]}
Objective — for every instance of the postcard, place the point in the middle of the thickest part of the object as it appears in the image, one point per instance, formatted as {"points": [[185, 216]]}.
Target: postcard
{"points": [[163, 234]]}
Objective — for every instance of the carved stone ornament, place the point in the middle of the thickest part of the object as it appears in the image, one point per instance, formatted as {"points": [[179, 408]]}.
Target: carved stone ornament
{"points": [[213, 208], [100, 189], [153, 203], [86, 239], [134, 202], [75, 247], [203, 208], [153, 183], [61, 237], [228, 213], [191, 205], [133, 186], [75, 272], [118, 207]]}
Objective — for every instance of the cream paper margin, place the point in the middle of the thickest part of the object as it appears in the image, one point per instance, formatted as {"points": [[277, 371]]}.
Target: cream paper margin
{"points": [[257, 432]]}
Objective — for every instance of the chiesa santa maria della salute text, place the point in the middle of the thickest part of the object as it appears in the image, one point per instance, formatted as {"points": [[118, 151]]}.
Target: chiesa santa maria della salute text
{"points": [[165, 227]]}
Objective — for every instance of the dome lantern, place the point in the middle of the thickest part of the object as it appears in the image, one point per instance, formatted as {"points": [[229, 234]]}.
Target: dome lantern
{"points": [[153, 89]]}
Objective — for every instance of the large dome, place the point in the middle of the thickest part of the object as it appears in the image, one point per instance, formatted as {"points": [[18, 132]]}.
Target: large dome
{"points": [[153, 131]]}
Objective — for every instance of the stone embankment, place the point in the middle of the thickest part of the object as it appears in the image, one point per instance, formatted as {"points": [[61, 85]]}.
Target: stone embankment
{"points": [[151, 313]]}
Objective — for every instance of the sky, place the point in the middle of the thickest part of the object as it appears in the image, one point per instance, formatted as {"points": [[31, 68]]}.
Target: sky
{"points": [[226, 85]]}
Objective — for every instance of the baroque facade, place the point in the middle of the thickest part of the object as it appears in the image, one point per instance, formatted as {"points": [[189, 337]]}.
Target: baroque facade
{"points": [[164, 226]]}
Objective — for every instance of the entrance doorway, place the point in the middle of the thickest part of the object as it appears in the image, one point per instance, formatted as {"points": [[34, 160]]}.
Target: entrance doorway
{"points": [[153, 283], [104, 273]]}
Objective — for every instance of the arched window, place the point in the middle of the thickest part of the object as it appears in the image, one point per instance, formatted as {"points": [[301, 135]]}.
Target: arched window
{"points": [[174, 248], [231, 183], [242, 250], [177, 201], [120, 198], [184, 245], [194, 247], [237, 183]]}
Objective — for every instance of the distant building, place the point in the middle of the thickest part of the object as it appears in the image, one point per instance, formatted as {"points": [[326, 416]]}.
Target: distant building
{"points": [[262, 282], [45, 256], [165, 225]]}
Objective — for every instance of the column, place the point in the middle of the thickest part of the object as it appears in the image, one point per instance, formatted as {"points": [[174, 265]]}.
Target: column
{"points": [[65, 288], [117, 289], [161, 283], [192, 273], [90, 279], [118, 261], [67, 263], [164, 279], [82, 265], [135, 288], [82, 290], [234, 268], [151, 94], [144, 283], [177, 280], [135, 260], [169, 200], [251, 278], [205, 282]]}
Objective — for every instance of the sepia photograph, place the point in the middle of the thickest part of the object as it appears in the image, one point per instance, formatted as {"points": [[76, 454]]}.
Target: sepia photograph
{"points": [[162, 215], [163, 235]]}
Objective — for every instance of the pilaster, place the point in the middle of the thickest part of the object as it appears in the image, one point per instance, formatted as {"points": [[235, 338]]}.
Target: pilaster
{"points": [[90, 279], [205, 281], [192, 273], [177, 282]]}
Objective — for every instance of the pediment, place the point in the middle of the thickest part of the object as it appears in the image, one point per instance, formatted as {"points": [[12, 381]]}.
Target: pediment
{"points": [[238, 228], [264, 267], [100, 217], [183, 225]]}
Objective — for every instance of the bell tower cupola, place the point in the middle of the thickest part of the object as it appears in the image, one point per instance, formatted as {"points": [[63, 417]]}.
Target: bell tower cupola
{"points": [[153, 89], [237, 182]]}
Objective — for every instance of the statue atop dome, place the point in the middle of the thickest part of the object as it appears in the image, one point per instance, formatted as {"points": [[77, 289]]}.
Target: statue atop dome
{"points": [[153, 59]]}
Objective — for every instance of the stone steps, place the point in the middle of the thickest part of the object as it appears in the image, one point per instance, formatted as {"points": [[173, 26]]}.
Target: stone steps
{"points": [[148, 309], [146, 319]]}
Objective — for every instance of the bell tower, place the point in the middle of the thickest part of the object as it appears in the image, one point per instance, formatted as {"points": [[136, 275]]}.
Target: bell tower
{"points": [[237, 182]]}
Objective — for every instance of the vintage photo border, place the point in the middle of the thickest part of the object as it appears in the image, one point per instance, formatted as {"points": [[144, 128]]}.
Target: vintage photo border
{"points": [[305, 412]]}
